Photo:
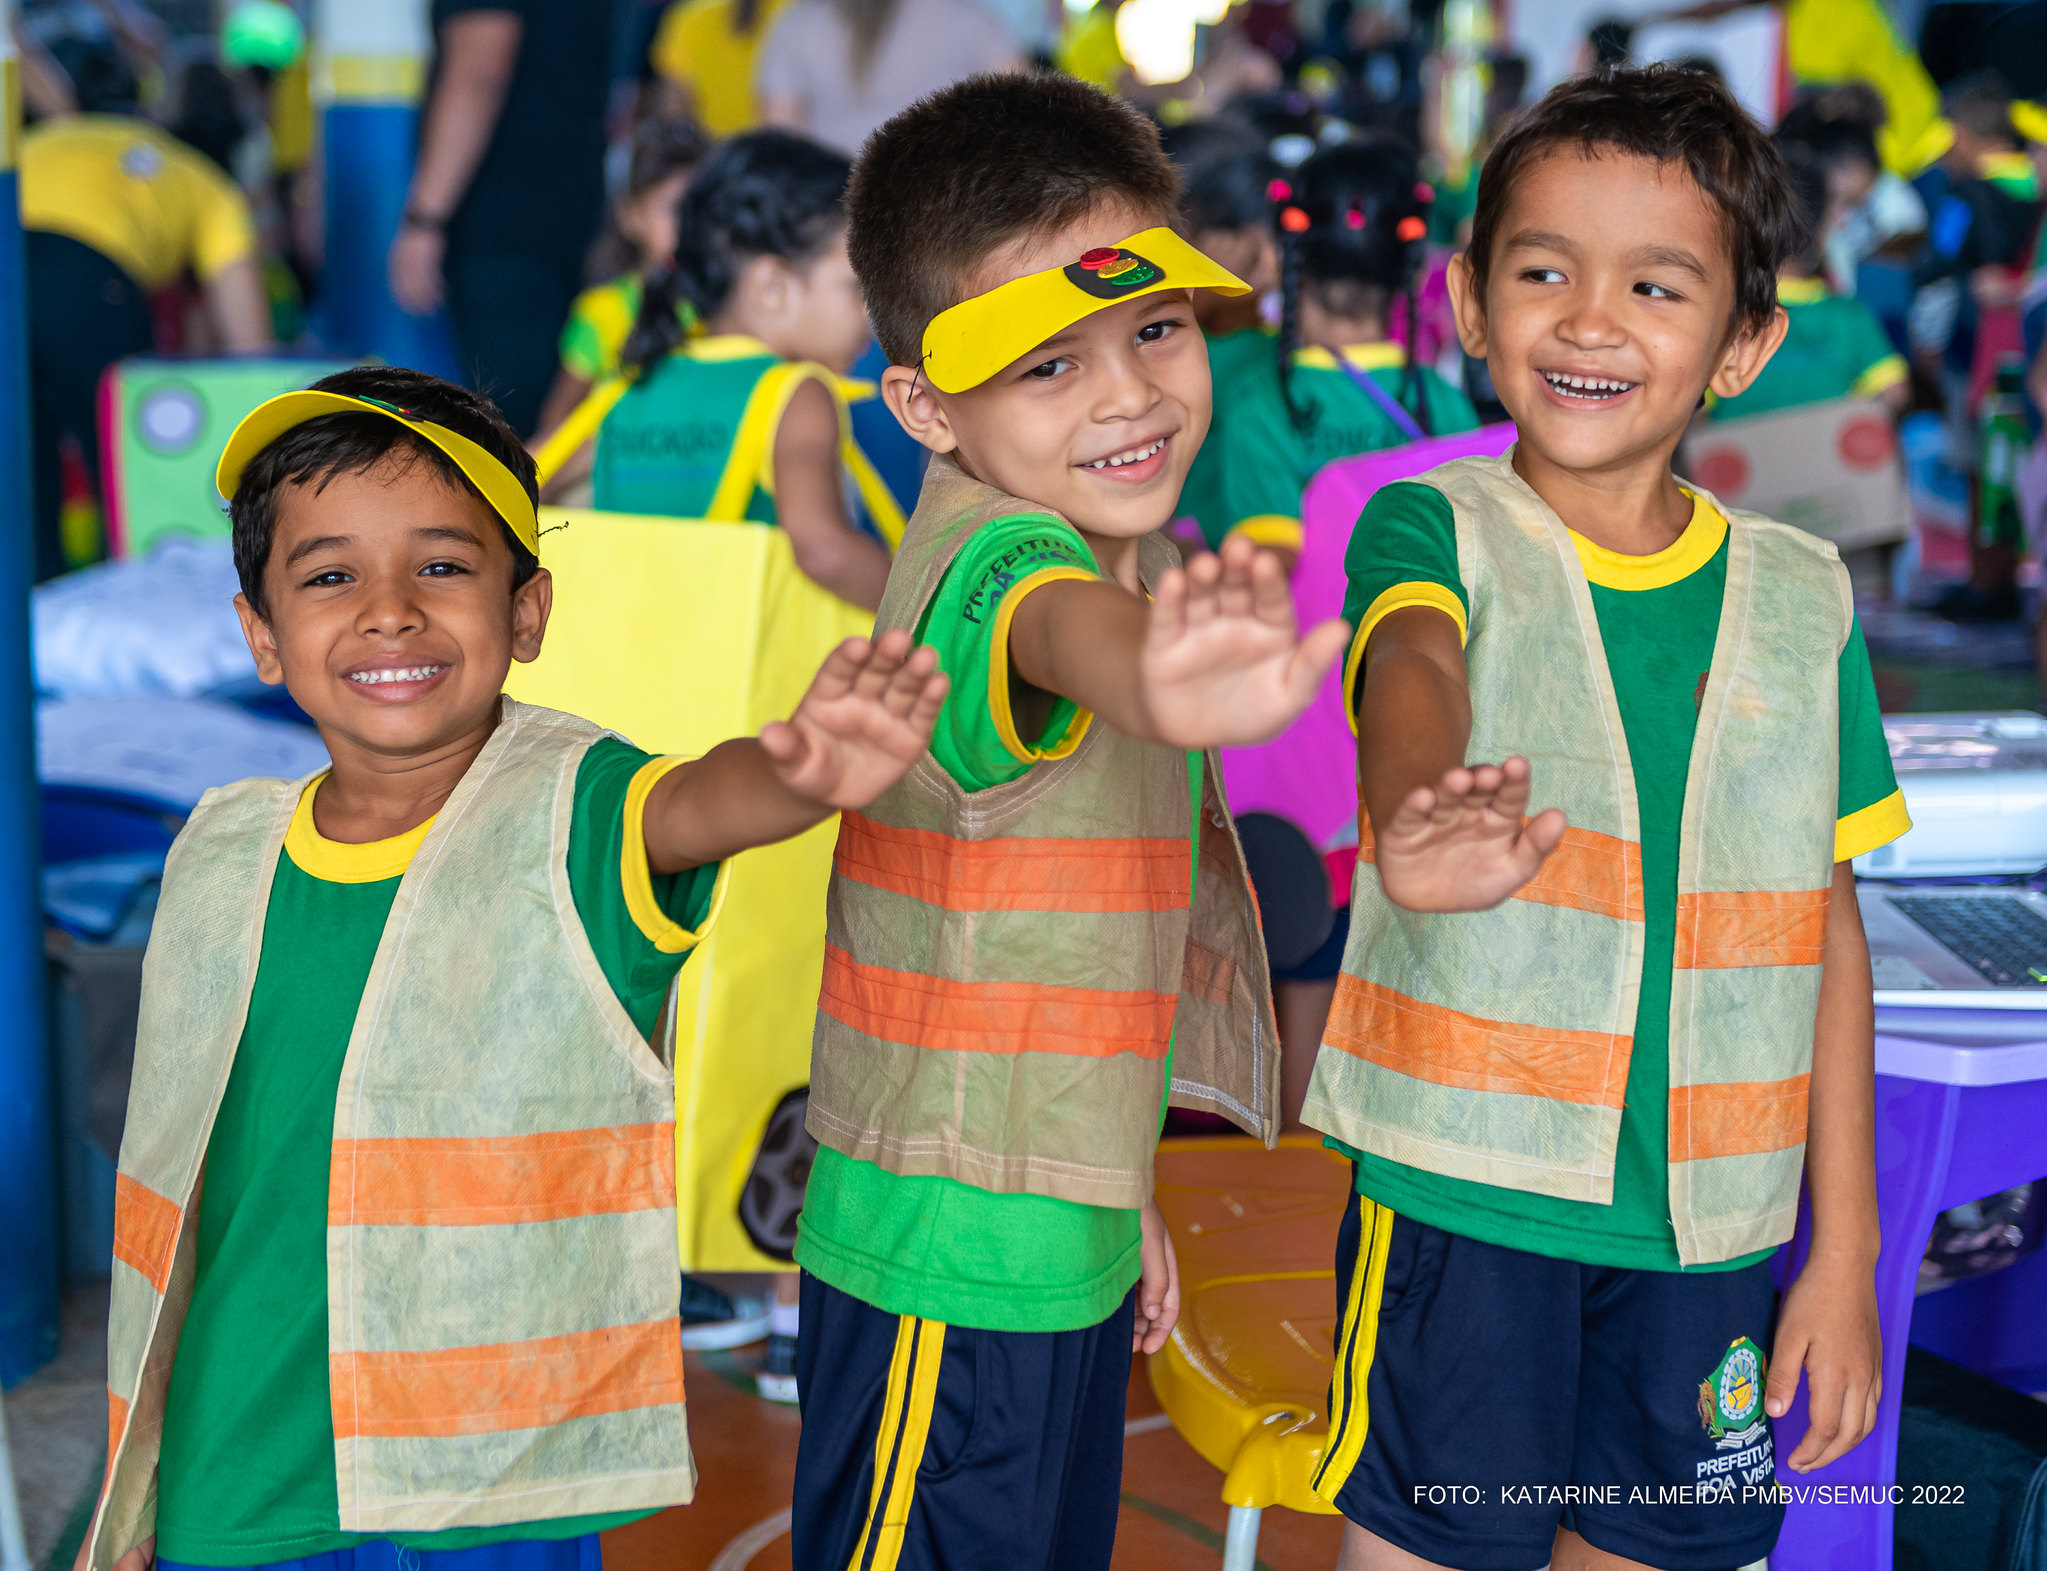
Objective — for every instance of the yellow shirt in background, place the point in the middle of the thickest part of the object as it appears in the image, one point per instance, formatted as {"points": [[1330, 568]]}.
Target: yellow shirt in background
{"points": [[698, 47], [136, 195]]}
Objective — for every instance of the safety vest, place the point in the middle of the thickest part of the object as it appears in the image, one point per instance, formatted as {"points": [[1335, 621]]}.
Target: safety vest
{"points": [[1007, 969], [1494, 1045], [501, 1266]]}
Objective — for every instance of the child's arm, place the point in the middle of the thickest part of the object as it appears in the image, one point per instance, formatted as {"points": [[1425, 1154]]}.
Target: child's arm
{"points": [[866, 719], [810, 502], [1215, 659], [1448, 838], [1828, 1326]]}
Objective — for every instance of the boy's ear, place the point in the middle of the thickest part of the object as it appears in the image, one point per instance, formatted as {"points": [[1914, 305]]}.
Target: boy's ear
{"points": [[917, 408], [532, 603], [262, 643], [1466, 307], [1746, 354]]}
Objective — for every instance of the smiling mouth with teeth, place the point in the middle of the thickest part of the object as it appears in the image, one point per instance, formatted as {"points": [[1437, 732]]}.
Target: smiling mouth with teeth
{"points": [[1591, 388], [1136, 455], [410, 673]]}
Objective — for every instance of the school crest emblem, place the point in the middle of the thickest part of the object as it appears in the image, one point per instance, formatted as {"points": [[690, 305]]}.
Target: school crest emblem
{"points": [[1731, 1397]]}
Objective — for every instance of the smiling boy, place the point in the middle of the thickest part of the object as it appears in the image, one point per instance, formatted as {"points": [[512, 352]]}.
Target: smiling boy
{"points": [[404, 1015], [1582, 1060], [1046, 931]]}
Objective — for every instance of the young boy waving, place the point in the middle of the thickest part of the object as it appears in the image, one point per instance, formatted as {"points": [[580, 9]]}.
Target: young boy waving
{"points": [[1582, 1059], [1045, 930], [403, 1017]]}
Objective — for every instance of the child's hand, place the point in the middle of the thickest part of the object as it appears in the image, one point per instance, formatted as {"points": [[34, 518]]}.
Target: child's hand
{"points": [[1158, 1284], [140, 1558], [1828, 1327], [1223, 662], [1463, 845], [866, 719]]}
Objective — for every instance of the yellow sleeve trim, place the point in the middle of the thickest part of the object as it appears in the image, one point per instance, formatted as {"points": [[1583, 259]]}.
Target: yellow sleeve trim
{"points": [[1271, 529], [637, 879], [1418, 592], [998, 672], [1885, 374], [1876, 825]]}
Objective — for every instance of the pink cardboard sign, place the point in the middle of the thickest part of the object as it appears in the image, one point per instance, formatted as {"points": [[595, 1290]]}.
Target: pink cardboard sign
{"points": [[1308, 774]]}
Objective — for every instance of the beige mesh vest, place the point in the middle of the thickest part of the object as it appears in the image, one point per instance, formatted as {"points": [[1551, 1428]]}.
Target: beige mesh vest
{"points": [[1005, 969], [501, 1266], [1494, 1046]]}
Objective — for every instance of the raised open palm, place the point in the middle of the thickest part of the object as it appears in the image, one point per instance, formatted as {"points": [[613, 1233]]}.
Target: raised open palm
{"points": [[1466, 843], [867, 717], [1223, 662]]}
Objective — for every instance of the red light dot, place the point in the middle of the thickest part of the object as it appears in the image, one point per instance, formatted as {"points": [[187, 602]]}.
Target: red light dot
{"points": [[1410, 228], [1099, 258], [1294, 221]]}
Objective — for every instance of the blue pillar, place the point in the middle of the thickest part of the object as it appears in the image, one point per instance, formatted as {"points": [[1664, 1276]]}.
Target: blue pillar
{"points": [[370, 74], [28, 1202]]}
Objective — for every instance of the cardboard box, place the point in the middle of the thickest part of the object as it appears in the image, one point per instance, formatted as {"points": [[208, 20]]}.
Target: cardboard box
{"points": [[1832, 469]]}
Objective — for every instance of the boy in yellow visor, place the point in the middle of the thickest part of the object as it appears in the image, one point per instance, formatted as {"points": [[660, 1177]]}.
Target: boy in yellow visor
{"points": [[1045, 932], [404, 1015]]}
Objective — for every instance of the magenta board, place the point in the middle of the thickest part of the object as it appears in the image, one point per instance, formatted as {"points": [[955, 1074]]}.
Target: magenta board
{"points": [[1308, 774]]}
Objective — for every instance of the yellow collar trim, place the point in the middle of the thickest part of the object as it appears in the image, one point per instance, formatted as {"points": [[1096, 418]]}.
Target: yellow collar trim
{"points": [[1680, 559], [725, 346], [1801, 291], [338, 861], [1366, 357]]}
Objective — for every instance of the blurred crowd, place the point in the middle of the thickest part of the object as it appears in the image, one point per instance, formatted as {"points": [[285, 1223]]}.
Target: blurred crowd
{"points": [[171, 189]]}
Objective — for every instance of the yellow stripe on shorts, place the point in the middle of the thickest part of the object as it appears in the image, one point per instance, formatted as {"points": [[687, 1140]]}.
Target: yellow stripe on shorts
{"points": [[1357, 1337], [899, 1442]]}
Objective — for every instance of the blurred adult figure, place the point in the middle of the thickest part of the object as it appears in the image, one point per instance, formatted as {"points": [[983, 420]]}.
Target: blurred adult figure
{"points": [[508, 190], [836, 69], [116, 209], [704, 52]]}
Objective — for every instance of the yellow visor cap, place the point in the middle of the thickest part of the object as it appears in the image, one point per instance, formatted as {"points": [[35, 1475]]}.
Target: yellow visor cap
{"points": [[969, 343], [268, 421]]}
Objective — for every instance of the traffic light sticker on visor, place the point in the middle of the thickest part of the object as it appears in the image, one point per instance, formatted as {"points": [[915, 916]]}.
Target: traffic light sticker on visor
{"points": [[1110, 272]]}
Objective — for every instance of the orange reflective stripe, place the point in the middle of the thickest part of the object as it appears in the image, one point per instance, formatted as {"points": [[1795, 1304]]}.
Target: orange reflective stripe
{"points": [[993, 1017], [1755, 927], [1446, 1048], [117, 1426], [145, 1229], [1744, 1118], [1587, 872], [512, 1385], [501, 1179], [1016, 872]]}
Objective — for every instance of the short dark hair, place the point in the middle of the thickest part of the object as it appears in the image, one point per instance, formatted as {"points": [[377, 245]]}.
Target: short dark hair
{"points": [[1226, 174], [345, 444], [1672, 116], [1980, 103], [977, 166]]}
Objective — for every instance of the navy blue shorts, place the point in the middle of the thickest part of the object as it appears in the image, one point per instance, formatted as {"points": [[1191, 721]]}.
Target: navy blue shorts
{"points": [[1484, 1397], [380, 1554], [929, 1447]]}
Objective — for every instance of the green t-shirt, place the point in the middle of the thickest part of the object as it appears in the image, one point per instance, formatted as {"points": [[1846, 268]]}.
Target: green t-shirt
{"points": [[663, 447], [247, 1469], [1833, 347], [1658, 618], [936, 1247], [1268, 458], [1237, 363]]}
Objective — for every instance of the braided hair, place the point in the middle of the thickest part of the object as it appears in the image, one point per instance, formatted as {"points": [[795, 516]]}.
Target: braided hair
{"points": [[767, 193], [1353, 226]]}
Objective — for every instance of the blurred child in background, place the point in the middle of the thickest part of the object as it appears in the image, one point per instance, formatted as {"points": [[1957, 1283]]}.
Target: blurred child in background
{"points": [[638, 239], [1228, 184], [1834, 347], [745, 419], [1352, 241]]}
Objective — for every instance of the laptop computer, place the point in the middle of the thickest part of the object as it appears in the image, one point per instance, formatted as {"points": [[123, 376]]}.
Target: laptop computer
{"points": [[1976, 786]]}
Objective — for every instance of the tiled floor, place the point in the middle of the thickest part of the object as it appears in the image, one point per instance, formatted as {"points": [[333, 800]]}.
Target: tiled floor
{"points": [[746, 1451]]}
